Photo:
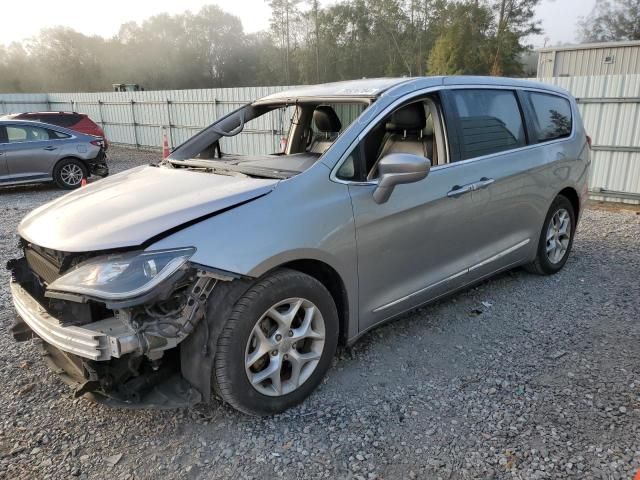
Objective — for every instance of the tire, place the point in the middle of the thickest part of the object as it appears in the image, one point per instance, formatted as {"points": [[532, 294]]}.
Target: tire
{"points": [[548, 263], [243, 352], [69, 173]]}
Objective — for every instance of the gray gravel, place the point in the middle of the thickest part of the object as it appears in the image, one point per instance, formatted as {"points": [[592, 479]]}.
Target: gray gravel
{"points": [[523, 377]]}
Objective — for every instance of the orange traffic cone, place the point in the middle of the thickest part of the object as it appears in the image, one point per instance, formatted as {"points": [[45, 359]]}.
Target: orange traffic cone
{"points": [[83, 182], [165, 146]]}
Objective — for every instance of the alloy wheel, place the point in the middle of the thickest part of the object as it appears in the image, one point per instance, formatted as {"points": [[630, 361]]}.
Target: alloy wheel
{"points": [[558, 236], [71, 174], [285, 347]]}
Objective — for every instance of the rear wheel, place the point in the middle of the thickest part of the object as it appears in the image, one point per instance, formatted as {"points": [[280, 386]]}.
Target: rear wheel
{"points": [[69, 173], [556, 238], [277, 345]]}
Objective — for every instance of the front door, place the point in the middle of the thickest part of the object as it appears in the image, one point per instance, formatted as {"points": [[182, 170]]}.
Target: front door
{"points": [[29, 152], [4, 171], [419, 244]]}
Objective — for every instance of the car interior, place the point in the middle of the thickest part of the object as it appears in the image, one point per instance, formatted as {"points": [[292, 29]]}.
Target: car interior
{"points": [[326, 127], [414, 128]]}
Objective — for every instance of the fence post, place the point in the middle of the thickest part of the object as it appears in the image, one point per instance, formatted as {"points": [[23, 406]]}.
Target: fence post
{"points": [[100, 113], [133, 120], [169, 122], [215, 109]]}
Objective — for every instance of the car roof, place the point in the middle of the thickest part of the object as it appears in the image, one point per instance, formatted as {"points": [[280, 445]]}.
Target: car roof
{"points": [[374, 87], [364, 88], [49, 112], [502, 82]]}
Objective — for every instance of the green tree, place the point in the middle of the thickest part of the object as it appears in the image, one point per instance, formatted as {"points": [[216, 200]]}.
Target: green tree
{"points": [[611, 21], [515, 21], [285, 16], [306, 43], [464, 46]]}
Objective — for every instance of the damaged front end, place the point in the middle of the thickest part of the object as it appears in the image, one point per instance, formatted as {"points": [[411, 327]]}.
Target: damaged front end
{"points": [[110, 323]]}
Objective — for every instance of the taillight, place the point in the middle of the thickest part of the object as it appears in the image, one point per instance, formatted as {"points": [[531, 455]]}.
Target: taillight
{"points": [[589, 141], [97, 143]]}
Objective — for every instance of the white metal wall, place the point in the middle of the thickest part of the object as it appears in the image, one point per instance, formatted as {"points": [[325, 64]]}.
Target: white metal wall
{"points": [[137, 118], [23, 102], [581, 61], [610, 106]]}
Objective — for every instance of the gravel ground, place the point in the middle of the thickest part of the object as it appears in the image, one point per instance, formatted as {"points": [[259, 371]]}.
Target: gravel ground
{"points": [[522, 377]]}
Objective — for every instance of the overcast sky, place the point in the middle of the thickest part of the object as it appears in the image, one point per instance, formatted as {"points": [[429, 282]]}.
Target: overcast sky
{"points": [[23, 19]]}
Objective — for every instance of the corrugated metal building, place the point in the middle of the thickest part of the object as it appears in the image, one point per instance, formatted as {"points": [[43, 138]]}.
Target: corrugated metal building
{"points": [[610, 58]]}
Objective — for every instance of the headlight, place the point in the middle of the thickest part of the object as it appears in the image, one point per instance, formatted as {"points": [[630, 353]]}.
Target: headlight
{"points": [[122, 276]]}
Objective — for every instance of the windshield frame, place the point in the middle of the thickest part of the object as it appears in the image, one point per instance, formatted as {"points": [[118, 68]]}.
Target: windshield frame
{"points": [[204, 139]]}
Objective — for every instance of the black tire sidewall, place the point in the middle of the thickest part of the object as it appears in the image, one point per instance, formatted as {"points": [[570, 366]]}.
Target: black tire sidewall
{"points": [[229, 363], [543, 260], [57, 176]]}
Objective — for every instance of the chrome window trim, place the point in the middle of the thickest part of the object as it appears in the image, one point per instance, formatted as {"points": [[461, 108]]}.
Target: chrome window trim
{"points": [[70, 136], [334, 171]]}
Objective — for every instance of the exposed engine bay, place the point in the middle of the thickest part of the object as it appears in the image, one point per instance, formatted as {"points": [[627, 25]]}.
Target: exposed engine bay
{"points": [[121, 351]]}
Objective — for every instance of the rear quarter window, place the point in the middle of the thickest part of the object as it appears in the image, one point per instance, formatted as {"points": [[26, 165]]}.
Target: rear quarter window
{"points": [[552, 118], [53, 135]]}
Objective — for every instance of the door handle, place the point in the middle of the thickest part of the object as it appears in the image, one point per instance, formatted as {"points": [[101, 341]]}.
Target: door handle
{"points": [[483, 183], [50, 148], [458, 190]]}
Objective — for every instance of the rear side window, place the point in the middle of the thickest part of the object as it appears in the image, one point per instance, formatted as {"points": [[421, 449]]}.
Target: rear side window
{"points": [[21, 133], [489, 121], [552, 116]]}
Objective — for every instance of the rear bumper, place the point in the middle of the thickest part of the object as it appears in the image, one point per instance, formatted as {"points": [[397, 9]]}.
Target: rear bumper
{"points": [[98, 341], [98, 166], [101, 170]]}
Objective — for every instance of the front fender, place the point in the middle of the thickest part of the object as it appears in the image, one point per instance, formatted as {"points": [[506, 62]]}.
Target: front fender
{"points": [[308, 217]]}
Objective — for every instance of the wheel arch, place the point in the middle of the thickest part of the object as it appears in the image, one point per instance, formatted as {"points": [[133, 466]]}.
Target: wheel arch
{"points": [[572, 195], [69, 157], [330, 278], [197, 351]]}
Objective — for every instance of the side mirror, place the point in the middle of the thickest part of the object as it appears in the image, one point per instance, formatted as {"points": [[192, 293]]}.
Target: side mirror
{"points": [[397, 168]]}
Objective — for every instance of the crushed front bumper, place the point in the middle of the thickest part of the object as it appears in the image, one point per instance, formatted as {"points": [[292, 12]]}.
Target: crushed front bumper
{"points": [[98, 341], [76, 352]]}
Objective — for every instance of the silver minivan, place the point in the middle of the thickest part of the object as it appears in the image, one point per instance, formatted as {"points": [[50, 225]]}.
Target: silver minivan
{"points": [[229, 269]]}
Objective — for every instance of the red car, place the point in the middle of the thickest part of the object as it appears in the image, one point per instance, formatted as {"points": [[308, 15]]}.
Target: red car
{"points": [[78, 122]]}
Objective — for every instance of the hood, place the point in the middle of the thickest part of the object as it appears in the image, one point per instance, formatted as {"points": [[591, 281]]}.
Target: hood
{"points": [[131, 207]]}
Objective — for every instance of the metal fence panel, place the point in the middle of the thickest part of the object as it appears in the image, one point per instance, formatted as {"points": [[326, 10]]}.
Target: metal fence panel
{"points": [[610, 107], [23, 102], [138, 118]]}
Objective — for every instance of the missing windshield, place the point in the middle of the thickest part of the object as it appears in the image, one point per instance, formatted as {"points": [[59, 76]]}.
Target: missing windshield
{"points": [[268, 140]]}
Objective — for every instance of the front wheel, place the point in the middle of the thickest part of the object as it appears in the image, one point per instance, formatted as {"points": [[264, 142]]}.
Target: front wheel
{"points": [[277, 345], [556, 238]]}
